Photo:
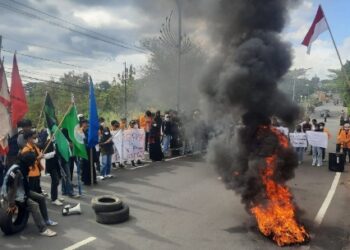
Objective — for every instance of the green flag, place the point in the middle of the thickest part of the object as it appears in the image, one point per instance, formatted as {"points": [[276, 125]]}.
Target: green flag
{"points": [[61, 142], [71, 123]]}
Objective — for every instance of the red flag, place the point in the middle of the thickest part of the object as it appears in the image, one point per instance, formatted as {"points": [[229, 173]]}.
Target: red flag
{"points": [[5, 128], [318, 26], [19, 106]]}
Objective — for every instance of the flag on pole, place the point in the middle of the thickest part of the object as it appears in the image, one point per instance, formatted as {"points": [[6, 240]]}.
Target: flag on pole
{"points": [[5, 128], [61, 141], [71, 123], [19, 106], [318, 26], [93, 118]]}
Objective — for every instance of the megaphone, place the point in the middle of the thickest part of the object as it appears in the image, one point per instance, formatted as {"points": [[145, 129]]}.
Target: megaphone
{"points": [[69, 210]]}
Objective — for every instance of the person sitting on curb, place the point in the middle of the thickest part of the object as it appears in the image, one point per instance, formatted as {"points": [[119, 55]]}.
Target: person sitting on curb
{"points": [[15, 190]]}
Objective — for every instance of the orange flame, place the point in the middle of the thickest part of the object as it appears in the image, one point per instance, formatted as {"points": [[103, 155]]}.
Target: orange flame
{"points": [[276, 218]]}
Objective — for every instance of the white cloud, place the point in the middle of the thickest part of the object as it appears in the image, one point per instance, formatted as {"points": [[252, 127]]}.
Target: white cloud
{"points": [[101, 18]]}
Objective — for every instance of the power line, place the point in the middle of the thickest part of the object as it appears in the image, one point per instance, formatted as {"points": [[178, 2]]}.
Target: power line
{"points": [[31, 15], [54, 61]]}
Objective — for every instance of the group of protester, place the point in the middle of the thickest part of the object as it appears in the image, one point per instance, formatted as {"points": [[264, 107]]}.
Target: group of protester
{"points": [[31, 152]]}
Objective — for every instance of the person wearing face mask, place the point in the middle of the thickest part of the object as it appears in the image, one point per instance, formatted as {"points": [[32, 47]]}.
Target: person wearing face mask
{"points": [[155, 150], [344, 140], [106, 149], [166, 133], [34, 173], [35, 170]]}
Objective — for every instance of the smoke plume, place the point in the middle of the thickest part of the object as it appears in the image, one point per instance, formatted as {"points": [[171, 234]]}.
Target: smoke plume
{"points": [[242, 95]]}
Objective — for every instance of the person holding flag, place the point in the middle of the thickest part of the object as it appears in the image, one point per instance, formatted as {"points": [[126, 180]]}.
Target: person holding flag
{"points": [[90, 128], [71, 124]]}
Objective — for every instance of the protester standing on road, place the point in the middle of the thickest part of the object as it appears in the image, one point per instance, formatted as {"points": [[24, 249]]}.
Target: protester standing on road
{"points": [[155, 150], [16, 192], [300, 150], [115, 128], [166, 132], [325, 130], [106, 150], [145, 122], [338, 144], [344, 139], [317, 151]]}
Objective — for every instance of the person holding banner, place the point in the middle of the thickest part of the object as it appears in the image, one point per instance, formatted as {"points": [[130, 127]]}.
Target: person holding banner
{"points": [[344, 140], [299, 142], [316, 149]]}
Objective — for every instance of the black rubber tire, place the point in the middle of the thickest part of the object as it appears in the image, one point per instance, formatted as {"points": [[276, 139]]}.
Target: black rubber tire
{"points": [[8, 226], [113, 217], [106, 203]]}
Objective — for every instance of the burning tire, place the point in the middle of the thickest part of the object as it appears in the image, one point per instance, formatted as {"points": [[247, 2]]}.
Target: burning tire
{"points": [[113, 217], [106, 203], [11, 224]]}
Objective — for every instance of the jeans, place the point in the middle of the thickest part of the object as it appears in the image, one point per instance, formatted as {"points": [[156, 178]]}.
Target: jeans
{"points": [[317, 156], [40, 200], [34, 208], [67, 187], [300, 153], [55, 181], [106, 164], [166, 144]]}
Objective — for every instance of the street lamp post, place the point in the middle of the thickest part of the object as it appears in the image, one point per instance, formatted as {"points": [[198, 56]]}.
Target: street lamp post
{"points": [[182, 44]]}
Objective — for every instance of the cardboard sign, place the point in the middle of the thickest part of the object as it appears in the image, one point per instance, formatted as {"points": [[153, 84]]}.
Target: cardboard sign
{"points": [[298, 140], [317, 139], [130, 144]]}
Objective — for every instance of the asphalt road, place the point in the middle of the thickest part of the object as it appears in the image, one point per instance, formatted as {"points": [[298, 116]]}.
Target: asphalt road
{"points": [[181, 204]]}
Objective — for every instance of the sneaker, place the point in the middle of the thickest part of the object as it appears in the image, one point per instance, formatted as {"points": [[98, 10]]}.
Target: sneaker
{"points": [[57, 202], [48, 232], [74, 196], [61, 199], [101, 177], [51, 223], [109, 176], [319, 165], [45, 194]]}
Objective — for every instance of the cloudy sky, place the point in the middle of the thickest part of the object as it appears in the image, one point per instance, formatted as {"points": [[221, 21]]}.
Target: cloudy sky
{"points": [[53, 37]]}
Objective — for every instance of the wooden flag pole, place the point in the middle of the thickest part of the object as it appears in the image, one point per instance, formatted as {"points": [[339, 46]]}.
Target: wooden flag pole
{"points": [[42, 111], [91, 166], [336, 49]]}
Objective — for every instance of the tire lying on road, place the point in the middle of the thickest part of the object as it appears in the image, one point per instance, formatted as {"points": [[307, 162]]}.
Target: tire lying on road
{"points": [[113, 217], [106, 203], [11, 224]]}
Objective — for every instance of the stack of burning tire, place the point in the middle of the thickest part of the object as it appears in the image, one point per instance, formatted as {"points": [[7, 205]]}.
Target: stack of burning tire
{"points": [[110, 209]]}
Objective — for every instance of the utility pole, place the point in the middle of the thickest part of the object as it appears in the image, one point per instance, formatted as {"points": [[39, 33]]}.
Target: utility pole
{"points": [[179, 55], [0, 45], [125, 90]]}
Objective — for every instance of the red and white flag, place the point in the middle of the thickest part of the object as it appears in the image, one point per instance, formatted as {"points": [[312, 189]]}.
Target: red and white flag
{"points": [[19, 106], [318, 26], [5, 128]]}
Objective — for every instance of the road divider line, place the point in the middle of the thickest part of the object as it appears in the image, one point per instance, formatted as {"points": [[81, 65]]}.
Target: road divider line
{"points": [[322, 212], [80, 243]]}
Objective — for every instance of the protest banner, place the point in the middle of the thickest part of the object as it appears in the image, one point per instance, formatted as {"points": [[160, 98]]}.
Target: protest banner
{"points": [[298, 140], [317, 139], [130, 144]]}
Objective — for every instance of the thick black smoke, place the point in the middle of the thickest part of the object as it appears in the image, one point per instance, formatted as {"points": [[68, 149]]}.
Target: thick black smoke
{"points": [[241, 89]]}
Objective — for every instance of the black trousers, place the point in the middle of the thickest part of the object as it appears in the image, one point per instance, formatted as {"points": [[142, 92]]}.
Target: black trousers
{"points": [[86, 172], [346, 152], [34, 184], [55, 181]]}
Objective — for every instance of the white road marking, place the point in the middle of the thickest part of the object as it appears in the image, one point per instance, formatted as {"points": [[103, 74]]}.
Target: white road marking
{"points": [[80, 243], [174, 158], [322, 212]]}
